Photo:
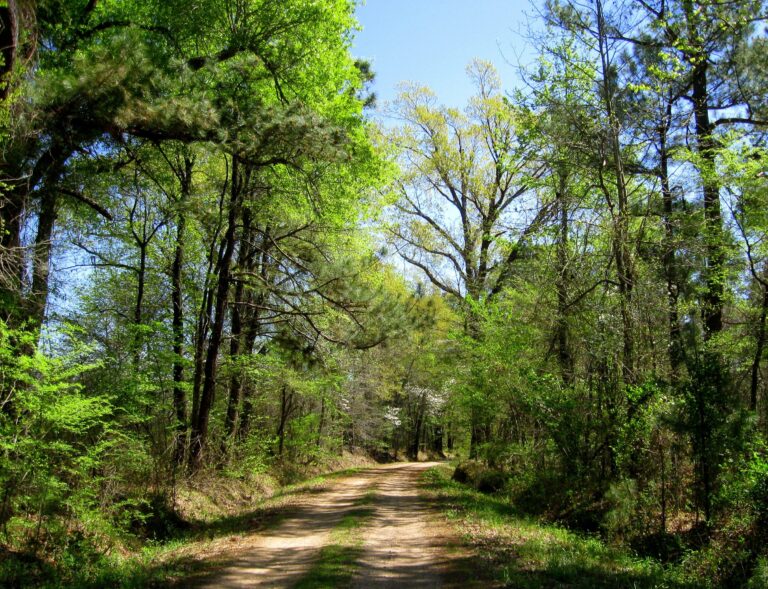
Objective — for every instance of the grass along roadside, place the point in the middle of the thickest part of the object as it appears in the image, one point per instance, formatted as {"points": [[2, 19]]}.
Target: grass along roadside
{"points": [[212, 542], [337, 561], [517, 551], [128, 563]]}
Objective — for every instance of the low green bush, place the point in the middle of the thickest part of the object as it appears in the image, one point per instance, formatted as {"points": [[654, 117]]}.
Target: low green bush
{"points": [[491, 481], [467, 472], [480, 476]]}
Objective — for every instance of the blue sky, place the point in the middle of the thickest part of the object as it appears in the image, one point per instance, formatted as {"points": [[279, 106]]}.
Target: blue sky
{"points": [[432, 41]]}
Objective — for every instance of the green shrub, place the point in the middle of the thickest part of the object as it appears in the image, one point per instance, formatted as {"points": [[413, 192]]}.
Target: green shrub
{"points": [[53, 435], [155, 519], [491, 481], [467, 472], [759, 579], [479, 476], [619, 520]]}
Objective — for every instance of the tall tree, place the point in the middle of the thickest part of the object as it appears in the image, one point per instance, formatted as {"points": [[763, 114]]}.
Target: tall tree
{"points": [[466, 188], [465, 206]]}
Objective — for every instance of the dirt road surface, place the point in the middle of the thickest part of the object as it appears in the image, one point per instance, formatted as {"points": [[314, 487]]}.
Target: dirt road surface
{"points": [[404, 544]]}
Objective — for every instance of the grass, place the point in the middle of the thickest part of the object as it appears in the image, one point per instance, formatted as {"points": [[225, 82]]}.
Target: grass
{"points": [[269, 511], [518, 551], [156, 564], [337, 562]]}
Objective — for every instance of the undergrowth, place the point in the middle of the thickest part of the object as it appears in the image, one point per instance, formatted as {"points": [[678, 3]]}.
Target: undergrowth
{"points": [[518, 551], [73, 555]]}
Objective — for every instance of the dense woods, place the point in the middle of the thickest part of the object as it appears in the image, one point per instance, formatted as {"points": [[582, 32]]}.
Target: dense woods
{"points": [[202, 236]]}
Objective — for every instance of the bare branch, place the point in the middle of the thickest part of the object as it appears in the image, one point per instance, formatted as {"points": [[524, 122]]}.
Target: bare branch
{"points": [[87, 201]]}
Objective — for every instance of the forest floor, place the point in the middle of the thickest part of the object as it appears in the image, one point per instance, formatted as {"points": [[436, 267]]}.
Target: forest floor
{"points": [[371, 529]]}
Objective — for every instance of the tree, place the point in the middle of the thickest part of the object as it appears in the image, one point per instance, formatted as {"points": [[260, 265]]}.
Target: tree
{"points": [[461, 216], [705, 40], [467, 180]]}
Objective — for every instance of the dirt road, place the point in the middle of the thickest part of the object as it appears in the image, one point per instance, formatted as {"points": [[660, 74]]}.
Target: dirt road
{"points": [[403, 544]]}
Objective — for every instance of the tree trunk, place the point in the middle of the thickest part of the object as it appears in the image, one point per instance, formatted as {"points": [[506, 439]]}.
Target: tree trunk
{"points": [[42, 257], [138, 319], [202, 329], [669, 259], [415, 437], [12, 209], [201, 339], [251, 334], [177, 302], [286, 408], [200, 427], [9, 37], [437, 441], [712, 308], [624, 266], [475, 436], [236, 346], [235, 382], [321, 423], [252, 331], [564, 356], [15, 16], [760, 346], [710, 386], [18, 309]]}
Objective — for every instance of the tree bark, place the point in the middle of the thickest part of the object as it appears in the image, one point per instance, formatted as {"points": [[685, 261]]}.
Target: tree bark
{"points": [[321, 423], [42, 257], [712, 309], [177, 302], [437, 441], [246, 415], [252, 330], [669, 259], [759, 348], [12, 209], [622, 255], [564, 356], [286, 408], [9, 36], [240, 180], [418, 425], [236, 346], [710, 388]]}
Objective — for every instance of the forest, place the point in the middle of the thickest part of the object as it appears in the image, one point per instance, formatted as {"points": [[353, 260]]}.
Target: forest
{"points": [[203, 237]]}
